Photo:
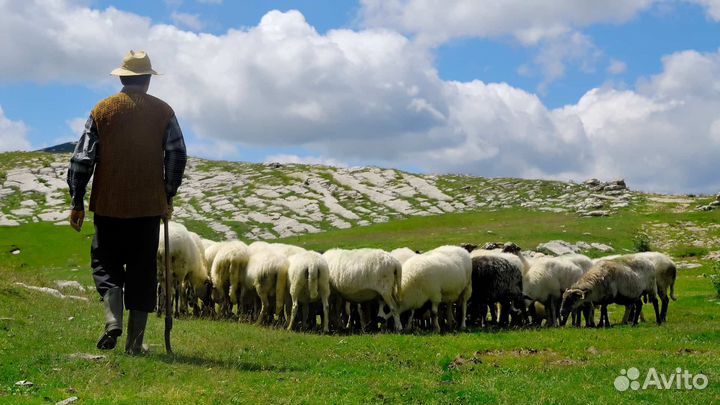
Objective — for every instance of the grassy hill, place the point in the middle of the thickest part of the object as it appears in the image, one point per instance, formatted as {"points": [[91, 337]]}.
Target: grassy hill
{"points": [[50, 341], [268, 201]]}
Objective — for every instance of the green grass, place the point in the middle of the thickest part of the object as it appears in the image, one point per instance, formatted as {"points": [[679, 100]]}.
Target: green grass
{"points": [[222, 362]]}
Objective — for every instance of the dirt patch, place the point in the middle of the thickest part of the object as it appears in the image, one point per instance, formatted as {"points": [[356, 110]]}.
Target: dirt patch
{"points": [[566, 362], [517, 352], [459, 361]]}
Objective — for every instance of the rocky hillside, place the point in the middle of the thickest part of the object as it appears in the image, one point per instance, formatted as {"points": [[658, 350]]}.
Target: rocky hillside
{"points": [[267, 201]]}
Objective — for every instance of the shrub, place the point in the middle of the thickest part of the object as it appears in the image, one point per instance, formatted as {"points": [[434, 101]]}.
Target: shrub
{"points": [[641, 241]]}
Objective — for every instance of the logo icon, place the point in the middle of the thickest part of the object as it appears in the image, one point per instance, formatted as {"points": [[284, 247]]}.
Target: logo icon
{"points": [[628, 379], [680, 379]]}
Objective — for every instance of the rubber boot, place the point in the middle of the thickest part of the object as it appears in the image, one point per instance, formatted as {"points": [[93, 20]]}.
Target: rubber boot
{"points": [[136, 332], [113, 307]]}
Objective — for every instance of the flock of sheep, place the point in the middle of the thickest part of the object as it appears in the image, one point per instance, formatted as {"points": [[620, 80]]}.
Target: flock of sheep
{"points": [[449, 287]]}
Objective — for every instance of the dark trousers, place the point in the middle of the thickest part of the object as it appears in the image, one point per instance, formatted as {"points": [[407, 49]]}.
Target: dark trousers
{"points": [[124, 254]]}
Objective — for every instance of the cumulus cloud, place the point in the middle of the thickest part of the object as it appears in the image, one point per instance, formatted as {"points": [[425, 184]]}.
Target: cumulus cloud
{"points": [[616, 67], [528, 21], [191, 21], [13, 134], [307, 160], [558, 52], [712, 7], [374, 96]]}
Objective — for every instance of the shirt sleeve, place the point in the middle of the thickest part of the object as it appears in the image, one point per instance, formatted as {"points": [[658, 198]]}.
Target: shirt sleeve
{"points": [[175, 158], [82, 164]]}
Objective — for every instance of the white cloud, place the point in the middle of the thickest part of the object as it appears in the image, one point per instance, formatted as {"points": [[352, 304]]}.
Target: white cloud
{"points": [[13, 134], [558, 52], [616, 67], [374, 96], [77, 125], [191, 21], [530, 22], [307, 160], [712, 8]]}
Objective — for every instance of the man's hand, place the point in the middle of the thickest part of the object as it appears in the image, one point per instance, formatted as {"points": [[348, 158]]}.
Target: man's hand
{"points": [[76, 219], [168, 213]]}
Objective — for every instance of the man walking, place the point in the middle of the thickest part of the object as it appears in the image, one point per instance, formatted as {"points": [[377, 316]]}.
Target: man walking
{"points": [[134, 145]]}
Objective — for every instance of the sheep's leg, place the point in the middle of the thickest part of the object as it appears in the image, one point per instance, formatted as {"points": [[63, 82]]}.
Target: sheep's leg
{"points": [[410, 321], [523, 314], [604, 320], [326, 314], [532, 313], [390, 301], [234, 296], [638, 309], [493, 313], [482, 310], [550, 312], [293, 314], [263, 308], [658, 317], [665, 303], [176, 300], [349, 313], [305, 313], [160, 299], [504, 314], [449, 316], [183, 298], [465, 297], [589, 317], [434, 310]]}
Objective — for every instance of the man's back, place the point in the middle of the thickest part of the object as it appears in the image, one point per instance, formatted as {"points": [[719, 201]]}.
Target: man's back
{"points": [[128, 182]]}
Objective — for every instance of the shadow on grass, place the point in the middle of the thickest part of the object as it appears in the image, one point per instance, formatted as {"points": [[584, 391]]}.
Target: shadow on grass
{"points": [[230, 364]]}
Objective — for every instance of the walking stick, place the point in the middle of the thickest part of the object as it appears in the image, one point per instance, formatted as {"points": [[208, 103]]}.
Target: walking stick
{"points": [[168, 298]]}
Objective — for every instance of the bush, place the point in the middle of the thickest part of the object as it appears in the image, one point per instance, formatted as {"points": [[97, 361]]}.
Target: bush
{"points": [[641, 240], [714, 277]]}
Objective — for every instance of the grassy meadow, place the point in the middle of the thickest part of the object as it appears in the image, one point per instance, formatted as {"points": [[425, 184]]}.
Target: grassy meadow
{"points": [[226, 362]]}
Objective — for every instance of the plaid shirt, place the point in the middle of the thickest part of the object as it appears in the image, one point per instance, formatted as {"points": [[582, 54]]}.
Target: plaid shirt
{"points": [[82, 163]]}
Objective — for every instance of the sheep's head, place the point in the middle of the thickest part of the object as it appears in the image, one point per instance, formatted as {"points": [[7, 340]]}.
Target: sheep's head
{"points": [[204, 292], [217, 294], [492, 246], [572, 299], [511, 247], [467, 246]]}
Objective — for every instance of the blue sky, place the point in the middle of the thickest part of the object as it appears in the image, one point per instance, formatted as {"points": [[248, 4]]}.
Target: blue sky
{"points": [[525, 91]]}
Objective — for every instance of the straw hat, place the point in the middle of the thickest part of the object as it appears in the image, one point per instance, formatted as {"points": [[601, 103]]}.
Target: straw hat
{"points": [[135, 64]]}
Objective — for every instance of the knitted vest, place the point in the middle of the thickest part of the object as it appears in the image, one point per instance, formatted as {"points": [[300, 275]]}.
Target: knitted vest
{"points": [[129, 173]]}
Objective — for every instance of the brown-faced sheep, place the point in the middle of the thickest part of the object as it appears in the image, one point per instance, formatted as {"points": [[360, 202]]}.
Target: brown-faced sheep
{"points": [[607, 282]]}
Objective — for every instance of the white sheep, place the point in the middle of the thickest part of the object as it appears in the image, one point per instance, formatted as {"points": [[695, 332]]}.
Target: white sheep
{"points": [[546, 280], [403, 254], [442, 275], [199, 278], [227, 273], [665, 273], [362, 275], [210, 253], [266, 276], [308, 282], [185, 258], [582, 261], [206, 243]]}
